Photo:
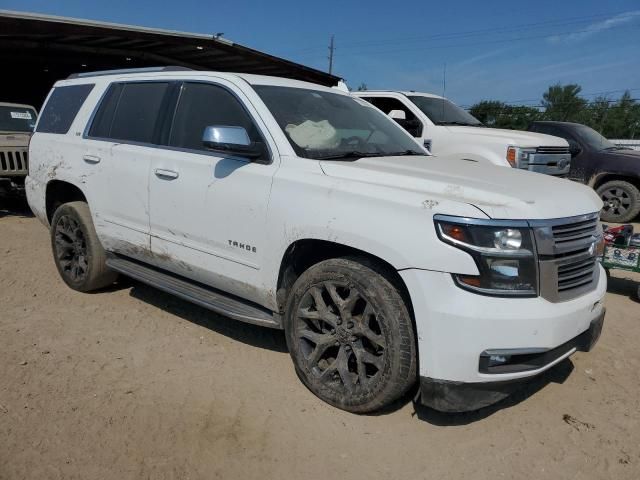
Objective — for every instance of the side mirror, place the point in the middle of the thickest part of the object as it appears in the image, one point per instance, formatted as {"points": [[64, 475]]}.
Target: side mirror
{"points": [[232, 140], [574, 149], [397, 115]]}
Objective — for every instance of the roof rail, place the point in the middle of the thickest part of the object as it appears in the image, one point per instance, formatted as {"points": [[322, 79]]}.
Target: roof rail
{"points": [[170, 68]]}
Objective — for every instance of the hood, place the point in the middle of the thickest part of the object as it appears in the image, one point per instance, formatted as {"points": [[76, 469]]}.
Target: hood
{"points": [[498, 191], [512, 137], [625, 154], [14, 139]]}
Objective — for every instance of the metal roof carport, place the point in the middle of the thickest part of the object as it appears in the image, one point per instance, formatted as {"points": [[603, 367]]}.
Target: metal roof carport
{"points": [[36, 50]]}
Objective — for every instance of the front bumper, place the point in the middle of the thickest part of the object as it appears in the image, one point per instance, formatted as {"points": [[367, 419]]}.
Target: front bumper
{"points": [[455, 327], [450, 396]]}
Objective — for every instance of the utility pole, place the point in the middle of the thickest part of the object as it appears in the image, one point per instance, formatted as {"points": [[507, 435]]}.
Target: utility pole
{"points": [[331, 49]]}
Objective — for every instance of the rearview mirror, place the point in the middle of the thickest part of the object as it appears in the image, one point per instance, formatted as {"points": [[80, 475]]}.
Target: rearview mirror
{"points": [[397, 115], [232, 140]]}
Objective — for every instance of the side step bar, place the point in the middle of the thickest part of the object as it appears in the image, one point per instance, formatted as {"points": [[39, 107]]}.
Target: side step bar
{"points": [[207, 297]]}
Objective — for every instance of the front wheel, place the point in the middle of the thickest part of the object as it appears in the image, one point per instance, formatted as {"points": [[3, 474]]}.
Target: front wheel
{"points": [[350, 335], [621, 201]]}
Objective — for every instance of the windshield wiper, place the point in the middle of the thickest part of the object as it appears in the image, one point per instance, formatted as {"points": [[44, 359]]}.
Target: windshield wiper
{"points": [[406, 152], [463, 124], [349, 154], [617, 147]]}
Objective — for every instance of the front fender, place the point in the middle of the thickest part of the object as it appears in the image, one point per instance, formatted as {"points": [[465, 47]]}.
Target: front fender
{"points": [[391, 224]]}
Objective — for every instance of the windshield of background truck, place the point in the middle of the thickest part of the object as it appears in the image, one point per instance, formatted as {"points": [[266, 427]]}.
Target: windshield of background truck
{"points": [[594, 139], [17, 119], [443, 112], [324, 126]]}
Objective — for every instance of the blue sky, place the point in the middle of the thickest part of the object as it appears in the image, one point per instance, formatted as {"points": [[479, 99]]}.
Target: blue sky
{"points": [[505, 50]]}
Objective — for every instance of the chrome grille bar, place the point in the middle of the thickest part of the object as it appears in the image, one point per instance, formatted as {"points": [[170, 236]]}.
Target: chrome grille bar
{"points": [[567, 261], [14, 162]]}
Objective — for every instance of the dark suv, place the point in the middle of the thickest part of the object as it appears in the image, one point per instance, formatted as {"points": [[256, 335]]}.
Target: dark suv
{"points": [[613, 171]]}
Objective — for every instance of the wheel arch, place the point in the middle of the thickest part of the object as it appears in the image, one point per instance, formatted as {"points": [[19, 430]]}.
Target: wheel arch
{"points": [[304, 253], [59, 192], [603, 178]]}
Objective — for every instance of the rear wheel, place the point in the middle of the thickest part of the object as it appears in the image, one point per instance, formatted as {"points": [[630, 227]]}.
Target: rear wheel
{"points": [[350, 335], [621, 201], [77, 252]]}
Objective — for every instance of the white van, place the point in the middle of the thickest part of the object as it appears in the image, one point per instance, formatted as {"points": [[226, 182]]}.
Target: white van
{"points": [[449, 131]]}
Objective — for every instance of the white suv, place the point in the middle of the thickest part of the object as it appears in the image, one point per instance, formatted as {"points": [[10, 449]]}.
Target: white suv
{"points": [[449, 131], [293, 206]]}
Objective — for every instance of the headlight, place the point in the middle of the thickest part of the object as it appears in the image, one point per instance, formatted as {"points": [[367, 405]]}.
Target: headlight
{"points": [[519, 157], [503, 251]]}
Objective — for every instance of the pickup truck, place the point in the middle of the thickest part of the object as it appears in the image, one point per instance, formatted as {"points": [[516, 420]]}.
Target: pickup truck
{"points": [[613, 171], [449, 131], [298, 207], [16, 126]]}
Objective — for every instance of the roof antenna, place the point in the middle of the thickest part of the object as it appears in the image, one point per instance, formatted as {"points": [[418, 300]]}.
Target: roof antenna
{"points": [[444, 88]]}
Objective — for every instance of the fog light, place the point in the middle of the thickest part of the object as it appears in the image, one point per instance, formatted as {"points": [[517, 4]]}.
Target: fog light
{"points": [[495, 360]]}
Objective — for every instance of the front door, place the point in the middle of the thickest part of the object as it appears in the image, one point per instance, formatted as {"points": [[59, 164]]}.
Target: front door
{"points": [[208, 211]]}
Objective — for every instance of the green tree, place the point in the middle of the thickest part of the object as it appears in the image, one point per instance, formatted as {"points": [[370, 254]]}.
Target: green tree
{"points": [[362, 87], [494, 113], [562, 102], [488, 111]]}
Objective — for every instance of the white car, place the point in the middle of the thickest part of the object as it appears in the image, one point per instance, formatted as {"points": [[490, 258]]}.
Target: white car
{"points": [[449, 131], [294, 206]]}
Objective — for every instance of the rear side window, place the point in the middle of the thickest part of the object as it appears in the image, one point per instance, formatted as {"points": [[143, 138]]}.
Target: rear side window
{"points": [[130, 112], [202, 105], [62, 107]]}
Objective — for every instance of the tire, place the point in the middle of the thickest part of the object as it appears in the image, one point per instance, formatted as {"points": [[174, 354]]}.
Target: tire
{"points": [[621, 201], [350, 335], [77, 252]]}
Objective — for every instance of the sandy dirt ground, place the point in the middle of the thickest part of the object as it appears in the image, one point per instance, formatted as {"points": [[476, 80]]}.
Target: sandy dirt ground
{"points": [[132, 383]]}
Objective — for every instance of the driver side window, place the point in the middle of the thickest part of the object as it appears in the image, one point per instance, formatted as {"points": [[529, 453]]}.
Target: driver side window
{"points": [[202, 105], [411, 123]]}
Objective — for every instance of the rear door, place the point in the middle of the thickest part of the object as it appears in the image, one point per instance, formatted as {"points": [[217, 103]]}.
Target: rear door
{"points": [[121, 143], [208, 209]]}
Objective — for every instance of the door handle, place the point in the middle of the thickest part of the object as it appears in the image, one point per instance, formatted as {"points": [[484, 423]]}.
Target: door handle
{"points": [[91, 158], [166, 174]]}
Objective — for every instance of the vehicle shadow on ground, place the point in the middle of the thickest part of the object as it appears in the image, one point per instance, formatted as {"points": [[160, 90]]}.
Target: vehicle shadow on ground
{"points": [[14, 207], [254, 335], [627, 287], [557, 374]]}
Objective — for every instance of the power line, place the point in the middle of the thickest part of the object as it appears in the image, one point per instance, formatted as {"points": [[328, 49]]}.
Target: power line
{"points": [[514, 103], [467, 33], [466, 44]]}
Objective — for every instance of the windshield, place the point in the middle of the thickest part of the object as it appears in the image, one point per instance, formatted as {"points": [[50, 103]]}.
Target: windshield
{"points": [[594, 140], [443, 112], [17, 119], [324, 125]]}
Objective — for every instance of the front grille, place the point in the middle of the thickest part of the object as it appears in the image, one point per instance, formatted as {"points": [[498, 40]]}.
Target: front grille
{"points": [[575, 274], [14, 161], [553, 150], [566, 256], [575, 233]]}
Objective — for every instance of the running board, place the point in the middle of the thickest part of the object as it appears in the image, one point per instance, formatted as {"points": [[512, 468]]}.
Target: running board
{"points": [[202, 295]]}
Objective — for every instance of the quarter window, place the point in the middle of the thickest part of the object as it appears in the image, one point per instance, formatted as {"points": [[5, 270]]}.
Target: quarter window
{"points": [[62, 107], [202, 105]]}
